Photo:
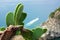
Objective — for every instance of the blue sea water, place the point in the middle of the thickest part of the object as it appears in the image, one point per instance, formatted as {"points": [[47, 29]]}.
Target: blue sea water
{"points": [[34, 9]]}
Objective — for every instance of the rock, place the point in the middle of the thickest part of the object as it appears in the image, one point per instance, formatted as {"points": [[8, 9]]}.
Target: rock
{"points": [[9, 32], [17, 37]]}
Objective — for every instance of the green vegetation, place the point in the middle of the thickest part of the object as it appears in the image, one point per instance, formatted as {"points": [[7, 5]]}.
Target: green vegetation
{"points": [[9, 19], [38, 32], [18, 32], [52, 13], [33, 34], [17, 18], [58, 9], [2, 29]]}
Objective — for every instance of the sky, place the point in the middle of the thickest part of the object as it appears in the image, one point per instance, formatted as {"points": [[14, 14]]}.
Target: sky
{"points": [[34, 9]]}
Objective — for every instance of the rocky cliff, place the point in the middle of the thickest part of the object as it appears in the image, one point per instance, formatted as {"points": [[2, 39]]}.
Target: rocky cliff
{"points": [[52, 25]]}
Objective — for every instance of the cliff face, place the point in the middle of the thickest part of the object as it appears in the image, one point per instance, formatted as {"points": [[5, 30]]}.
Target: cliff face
{"points": [[52, 25]]}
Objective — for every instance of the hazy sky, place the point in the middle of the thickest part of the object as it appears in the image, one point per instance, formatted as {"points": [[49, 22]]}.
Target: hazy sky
{"points": [[34, 9]]}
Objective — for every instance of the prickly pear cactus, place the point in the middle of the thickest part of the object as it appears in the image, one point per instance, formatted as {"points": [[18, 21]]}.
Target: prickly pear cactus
{"points": [[16, 18]]}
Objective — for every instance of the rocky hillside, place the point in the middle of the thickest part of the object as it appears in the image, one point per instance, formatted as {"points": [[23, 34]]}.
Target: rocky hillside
{"points": [[52, 25]]}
